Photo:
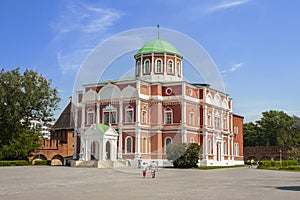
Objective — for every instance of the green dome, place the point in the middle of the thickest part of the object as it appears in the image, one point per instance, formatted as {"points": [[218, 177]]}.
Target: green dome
{"points": [[158, 46]]}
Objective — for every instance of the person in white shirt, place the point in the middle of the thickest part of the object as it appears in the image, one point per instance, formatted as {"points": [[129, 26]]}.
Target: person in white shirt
{"points": [[153, 168], [144, 169]]}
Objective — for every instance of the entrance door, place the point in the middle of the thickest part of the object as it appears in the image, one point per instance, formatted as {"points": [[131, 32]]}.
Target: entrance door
{"points": [[108, 150]]}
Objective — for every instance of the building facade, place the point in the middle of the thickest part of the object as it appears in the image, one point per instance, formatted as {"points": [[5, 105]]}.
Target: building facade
{"points": [[157, 108]]}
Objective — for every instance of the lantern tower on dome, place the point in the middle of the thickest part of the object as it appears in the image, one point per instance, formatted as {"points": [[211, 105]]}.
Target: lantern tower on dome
{"points": [[158, 61]]}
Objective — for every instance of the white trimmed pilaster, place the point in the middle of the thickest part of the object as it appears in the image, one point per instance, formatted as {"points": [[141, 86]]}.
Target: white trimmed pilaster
{"points": [[82, 115], [98, 113], [75, 133]]}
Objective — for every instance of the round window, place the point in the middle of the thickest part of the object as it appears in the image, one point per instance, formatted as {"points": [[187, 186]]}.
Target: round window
{"points": [[168, 91]]}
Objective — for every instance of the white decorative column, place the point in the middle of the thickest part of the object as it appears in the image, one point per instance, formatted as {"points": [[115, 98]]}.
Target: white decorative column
{"points": [[137, 128], [184, 139], [205, 116], [98, 113], [165, 64], [205, 151], [82, 115], [121, 113], [228, 148], [213, 118], [75, 133], [152, 64], [120, 144], [142, 66], [214, 146]]}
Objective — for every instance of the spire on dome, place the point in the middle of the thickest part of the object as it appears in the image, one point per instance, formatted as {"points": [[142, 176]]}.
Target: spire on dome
{"points": [[158, 31]]}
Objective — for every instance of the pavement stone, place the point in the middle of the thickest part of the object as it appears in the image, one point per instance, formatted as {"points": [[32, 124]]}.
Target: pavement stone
{"points": [[49, 183]]}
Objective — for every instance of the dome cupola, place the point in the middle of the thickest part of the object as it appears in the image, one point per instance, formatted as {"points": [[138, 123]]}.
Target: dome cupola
{"points": [[158, 61], [158, 46]]}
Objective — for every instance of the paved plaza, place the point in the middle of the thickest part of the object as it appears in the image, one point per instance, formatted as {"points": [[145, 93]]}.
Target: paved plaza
{"points": [[45, 182]]}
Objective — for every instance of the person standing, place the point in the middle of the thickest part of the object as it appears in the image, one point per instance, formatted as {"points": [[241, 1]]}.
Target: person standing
{"points": [[144, 169], [153, 168], [139, 162]]}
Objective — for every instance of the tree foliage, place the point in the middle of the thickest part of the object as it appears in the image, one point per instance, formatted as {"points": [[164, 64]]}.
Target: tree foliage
{"points": [[183, 155], [21, 147], [294, 153], [275, 128], [23, 97]]}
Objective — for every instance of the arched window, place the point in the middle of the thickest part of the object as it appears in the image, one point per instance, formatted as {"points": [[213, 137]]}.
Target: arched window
{"points": [[209, 119], [129, 114], [225, 122], [236, 149], [128, 144], [225, 148], [208, 146], [90, 117], [178, 69], [147, 67], [109, 115], [138, 68], [144, 116], [168, 141], [191, 117], [168, 117], [158, 66], [217, 121], [192, 140], [170, 67]]}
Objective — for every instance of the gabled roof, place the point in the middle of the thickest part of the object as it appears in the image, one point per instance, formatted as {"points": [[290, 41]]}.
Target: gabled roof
{"points": [[66, 119]]}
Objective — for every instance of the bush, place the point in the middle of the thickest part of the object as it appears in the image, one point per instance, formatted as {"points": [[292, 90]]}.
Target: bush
{"points": [[272, 163], [14, 163], [42, 162], [184, 155]]}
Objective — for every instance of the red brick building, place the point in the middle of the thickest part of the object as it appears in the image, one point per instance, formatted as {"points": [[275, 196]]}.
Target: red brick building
{"points": [[157, 108], [61, 143]]}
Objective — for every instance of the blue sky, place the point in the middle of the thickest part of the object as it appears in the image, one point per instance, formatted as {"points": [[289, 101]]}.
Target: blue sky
{"points": [[254, 43]]}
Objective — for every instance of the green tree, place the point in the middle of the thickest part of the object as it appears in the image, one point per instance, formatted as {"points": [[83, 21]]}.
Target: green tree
{"points": [[183, 155], [275, 128], [252, 135], [294, 153], [23, 97], [295, 130], [22, 146]]}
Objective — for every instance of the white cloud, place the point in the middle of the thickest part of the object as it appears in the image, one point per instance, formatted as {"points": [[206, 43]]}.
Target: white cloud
{"points": [[231, 69], [225, 5], [78, 29]]}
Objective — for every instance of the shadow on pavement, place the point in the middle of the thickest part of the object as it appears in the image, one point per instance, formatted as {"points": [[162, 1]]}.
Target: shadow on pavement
{"points": [[291, 188]]}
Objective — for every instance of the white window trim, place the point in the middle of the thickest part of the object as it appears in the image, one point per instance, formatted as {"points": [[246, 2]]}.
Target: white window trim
{"points": [[165, 143], [156, 71], [178, 69], [90, 112], [166, 111], [127, 110], [192, 140], [172, 68], [144, 116], [147, 72], [138, 67], [209, 147], [225, 148], [131, 145], [192, 118]]}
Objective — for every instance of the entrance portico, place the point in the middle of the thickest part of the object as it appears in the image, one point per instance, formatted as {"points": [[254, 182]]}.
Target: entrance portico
{"points": [[99, 142]]}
